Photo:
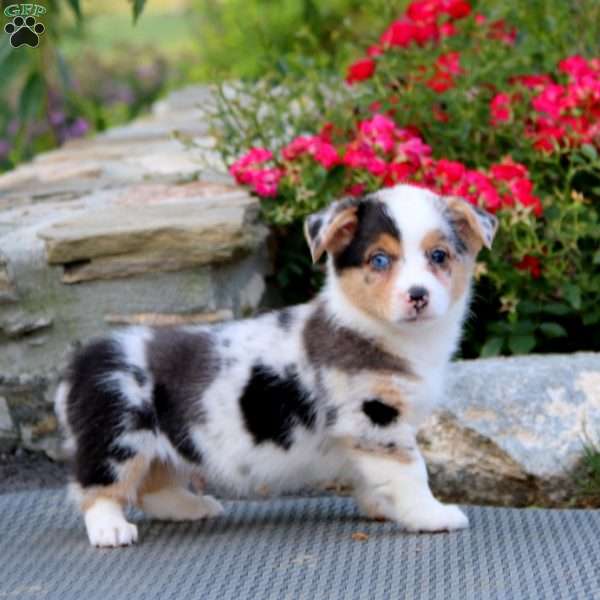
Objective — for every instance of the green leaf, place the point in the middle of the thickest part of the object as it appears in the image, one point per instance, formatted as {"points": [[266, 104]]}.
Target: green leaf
{"points": [[553, 330], [32, 97], [591, 318], [521, 344], [572, 295], [556, 308], [523, 327], [492, 347], [596, 259], [589, 151], [76, 8], [527, 307], [138, 7]]}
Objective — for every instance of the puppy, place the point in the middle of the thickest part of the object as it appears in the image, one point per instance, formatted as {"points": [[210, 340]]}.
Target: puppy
{"points": [[333, 388]]}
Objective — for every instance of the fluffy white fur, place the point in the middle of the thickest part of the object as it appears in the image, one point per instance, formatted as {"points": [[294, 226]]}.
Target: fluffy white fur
{"points": [[388, 484]]}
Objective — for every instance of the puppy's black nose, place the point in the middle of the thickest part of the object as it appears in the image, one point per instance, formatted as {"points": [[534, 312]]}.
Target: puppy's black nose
{"points": [[419, 296]]}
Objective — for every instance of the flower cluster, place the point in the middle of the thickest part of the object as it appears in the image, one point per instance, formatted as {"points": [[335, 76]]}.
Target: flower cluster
{"points": [[509, 137], [424, 21], [463, 105], [384, 154], [250, 170], [559, 115]]}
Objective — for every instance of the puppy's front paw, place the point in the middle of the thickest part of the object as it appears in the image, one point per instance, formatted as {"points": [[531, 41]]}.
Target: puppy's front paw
{"points": [[435, 516], [107, 528]]}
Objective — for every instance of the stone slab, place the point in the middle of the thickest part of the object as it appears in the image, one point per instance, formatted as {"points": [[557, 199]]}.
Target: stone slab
{"points": [[198, 230], [513, 430]]}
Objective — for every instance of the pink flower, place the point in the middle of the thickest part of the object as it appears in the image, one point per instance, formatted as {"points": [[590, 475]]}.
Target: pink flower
{"points": [[327, 155], [374, 50], [399, 33], [244, 167], [414, 149], [550, 101], [508, 170], [532, 81], [423, 11], [266, 181], [530, 264], [297, 147], [363, 157], [398, 173], [576, 66], [447, 29], [522, 189], [425, 32], [499, 31], [457, 9], [491, 198], [379, 130], [440, 82], [360, 70], [356, 189], [322, 151], [500, 109], [449, 62], [449, 171]]}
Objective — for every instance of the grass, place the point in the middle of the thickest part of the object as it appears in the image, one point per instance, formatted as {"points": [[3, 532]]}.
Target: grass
{"points": [[588, 475]]}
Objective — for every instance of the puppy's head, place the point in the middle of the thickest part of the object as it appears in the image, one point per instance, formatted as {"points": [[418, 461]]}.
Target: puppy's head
{"points": [[404, 254]]}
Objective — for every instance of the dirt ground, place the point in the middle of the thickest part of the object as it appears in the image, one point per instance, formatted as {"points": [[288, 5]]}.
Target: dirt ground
{"points": [[27, 470]]}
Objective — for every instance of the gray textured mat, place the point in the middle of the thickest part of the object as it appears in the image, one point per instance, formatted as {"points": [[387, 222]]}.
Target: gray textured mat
{"points": [[299, 549]]}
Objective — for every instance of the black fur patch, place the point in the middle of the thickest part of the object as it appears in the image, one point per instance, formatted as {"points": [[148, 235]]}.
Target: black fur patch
{"points": [[373, 220], [183, 364], [328, 345], [273, 405], [96, 412], [379, 412], [314, 226]]}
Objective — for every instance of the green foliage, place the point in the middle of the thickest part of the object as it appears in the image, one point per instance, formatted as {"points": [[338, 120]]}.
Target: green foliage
{"points": [[516, 310], [588, 475], [250, 38], [44, 102]]}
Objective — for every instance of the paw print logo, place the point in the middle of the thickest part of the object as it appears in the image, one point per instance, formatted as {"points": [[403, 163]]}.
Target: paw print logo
{"points": [[24, 31]]}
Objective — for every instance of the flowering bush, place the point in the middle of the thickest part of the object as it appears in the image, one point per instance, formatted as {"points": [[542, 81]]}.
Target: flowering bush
{"points": [[456, 101]]}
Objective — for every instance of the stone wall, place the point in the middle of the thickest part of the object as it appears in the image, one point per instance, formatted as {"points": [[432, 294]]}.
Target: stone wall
{"points": [[132, 226]]}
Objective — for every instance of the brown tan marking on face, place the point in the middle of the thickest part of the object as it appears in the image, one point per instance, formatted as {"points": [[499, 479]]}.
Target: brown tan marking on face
{"points": [[461, 277], [456, 271], [368, 289], [475, 227]]}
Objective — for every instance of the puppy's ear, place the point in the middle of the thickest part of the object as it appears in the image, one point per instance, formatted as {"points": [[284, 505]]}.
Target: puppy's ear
{"points": [[332, 228], [475, 226]]}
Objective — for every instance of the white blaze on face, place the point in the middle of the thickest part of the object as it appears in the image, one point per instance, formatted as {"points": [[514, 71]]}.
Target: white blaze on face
{"points": [[415, 212]]}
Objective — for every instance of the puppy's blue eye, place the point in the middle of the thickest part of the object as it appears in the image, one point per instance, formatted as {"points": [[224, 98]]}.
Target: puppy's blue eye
{"points": [[380, 261], [438, 256]]}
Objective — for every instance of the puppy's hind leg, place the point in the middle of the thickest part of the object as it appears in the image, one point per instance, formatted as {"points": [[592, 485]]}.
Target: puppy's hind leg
{"points": [[164, 496], [103, 506]]}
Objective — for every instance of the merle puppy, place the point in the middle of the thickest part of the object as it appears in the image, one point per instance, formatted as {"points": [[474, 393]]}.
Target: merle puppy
{"points": [[336, 387]]}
